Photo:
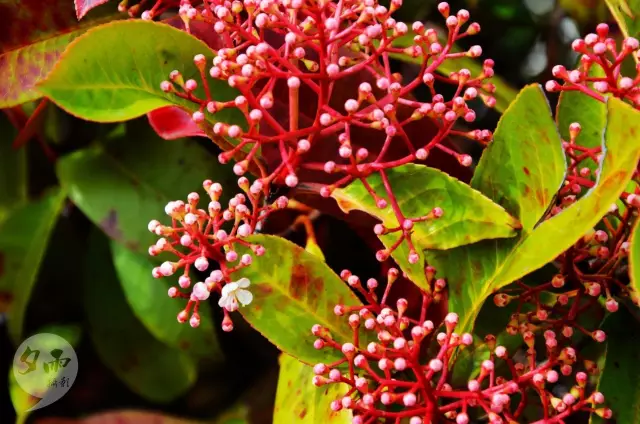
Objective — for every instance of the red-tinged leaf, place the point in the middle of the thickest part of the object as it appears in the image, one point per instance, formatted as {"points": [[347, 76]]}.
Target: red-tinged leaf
{"points": [[84, 6], [120, 417], [172, 122], [32, 39]]}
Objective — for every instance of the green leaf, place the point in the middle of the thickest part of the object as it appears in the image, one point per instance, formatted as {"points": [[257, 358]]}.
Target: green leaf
{"points": [[32, 40], [591, 114], [504, 93], [292, 291], [620, 376], [299, 401], [418, 189], [627, 14], [141, 173], [634, 259], [473, 272], [152, 306], [24, 236], [148, 367], [13, 169], [113, 72], [524, 166]]}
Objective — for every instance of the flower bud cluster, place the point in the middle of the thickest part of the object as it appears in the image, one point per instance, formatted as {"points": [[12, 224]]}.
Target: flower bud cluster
{"points": [[200, 237], [600, 69], [397, 367], [279, 53]]}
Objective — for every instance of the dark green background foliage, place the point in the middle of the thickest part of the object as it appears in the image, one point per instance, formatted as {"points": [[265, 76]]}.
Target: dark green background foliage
{"points": [[72, 259]]}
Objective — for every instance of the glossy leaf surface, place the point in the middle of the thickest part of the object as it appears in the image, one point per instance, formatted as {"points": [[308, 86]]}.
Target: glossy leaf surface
{"points": [[418, 189], [474, 272], [292, 291]]}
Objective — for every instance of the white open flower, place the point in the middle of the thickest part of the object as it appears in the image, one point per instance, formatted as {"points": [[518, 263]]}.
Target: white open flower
{"points": [[234, 292]]}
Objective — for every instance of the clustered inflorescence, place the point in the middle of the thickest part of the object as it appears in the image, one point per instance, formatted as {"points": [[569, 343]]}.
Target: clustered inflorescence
{"points": [[197, 236], [315, 45], [394, 359], [396, 366]]}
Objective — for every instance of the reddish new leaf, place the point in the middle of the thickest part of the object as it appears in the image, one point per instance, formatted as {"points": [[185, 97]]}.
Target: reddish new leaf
{"points": [[172, 123], [32, 38], [84, 6]]}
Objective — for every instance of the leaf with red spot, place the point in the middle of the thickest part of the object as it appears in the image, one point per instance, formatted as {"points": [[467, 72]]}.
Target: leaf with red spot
{"points": [[292, 291], [84, 6], [32, 39], [524, 167]]}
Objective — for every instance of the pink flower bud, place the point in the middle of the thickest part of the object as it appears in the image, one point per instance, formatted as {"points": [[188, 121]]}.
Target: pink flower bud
{"points": [[335, 375], [436, 365], [599, 336], [184, 281], [462, 418], [320, 369], [195, 320], [473, 385], [167, 269], [183, 316], [293, 82], [201, 263], [409, 399], [400, 364], [173, 292]]}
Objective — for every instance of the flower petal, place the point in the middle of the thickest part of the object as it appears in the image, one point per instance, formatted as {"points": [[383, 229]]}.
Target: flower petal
{"points": [[229, 288], [243, 283], [232, 305], [244, 296], [223, 301]]}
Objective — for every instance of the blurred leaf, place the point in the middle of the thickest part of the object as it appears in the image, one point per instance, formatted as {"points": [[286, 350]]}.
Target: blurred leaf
{"points": [[237, 414], [292, 291], [591, 114], [627, 14], [299, 401], [148, 367], [122, 184], [21, 400], [84, 6], [585, 11], [121, 417], [13, 169], [634, 258], [504, 93], [524, 166], [418, 190], [113, 73], [23, 241], [620, 377], [32, 39], [150, 303], [473, 272]]}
